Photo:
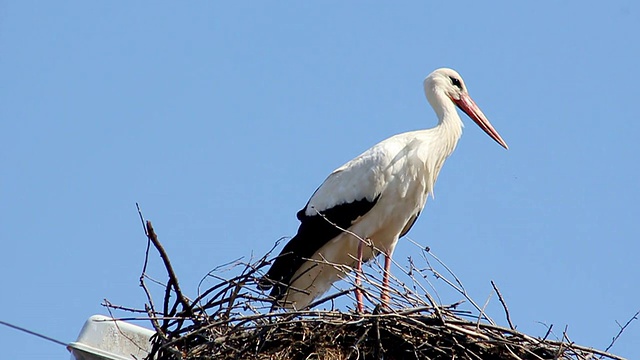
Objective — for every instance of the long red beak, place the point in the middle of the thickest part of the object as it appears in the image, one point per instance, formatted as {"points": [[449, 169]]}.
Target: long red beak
{"points": [[470, 108]]}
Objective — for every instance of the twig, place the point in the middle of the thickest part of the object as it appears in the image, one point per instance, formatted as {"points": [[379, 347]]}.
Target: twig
{"points": [[546, 335], [173, 279], [481, 314], [106, 303], [504, 304], [622, 328]]}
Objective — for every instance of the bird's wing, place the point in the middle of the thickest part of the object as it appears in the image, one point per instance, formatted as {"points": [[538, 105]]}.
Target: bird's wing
{"points": [[409, 225], [362, 178], [346, 195]]}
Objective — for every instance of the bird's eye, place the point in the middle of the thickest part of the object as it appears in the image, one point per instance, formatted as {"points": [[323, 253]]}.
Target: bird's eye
{"points": [[456, 82]]}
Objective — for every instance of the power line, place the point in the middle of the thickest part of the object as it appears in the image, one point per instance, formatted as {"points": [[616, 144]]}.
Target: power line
{"points": [[33, 333]]}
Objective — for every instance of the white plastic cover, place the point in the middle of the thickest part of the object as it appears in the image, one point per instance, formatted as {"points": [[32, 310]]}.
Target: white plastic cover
{"points": [[103, 338]]}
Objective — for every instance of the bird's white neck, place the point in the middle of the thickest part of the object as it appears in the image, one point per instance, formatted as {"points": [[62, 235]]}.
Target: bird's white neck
{"points": [[449, 128], [434, 145]]}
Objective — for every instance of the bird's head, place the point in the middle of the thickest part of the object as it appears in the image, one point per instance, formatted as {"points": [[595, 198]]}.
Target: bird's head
{"points": [[447, 83]]}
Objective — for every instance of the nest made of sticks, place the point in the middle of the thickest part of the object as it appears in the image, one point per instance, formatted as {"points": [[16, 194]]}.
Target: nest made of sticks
{"points": [[234, 320]]}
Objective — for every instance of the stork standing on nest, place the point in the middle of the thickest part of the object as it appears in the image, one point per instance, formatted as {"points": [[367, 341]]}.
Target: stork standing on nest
{"points": [[376, 196]]}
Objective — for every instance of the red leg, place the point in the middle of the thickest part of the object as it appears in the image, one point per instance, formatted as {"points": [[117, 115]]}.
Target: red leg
{"points": [[385, 280], [360, 303]]}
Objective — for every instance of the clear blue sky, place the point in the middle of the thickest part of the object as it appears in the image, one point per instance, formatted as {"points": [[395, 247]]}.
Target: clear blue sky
{"points": [[221, 120]]}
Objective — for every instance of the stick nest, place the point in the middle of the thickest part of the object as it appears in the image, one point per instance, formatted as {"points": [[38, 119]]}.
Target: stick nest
{"points": [[234, 320], [336, 335]]}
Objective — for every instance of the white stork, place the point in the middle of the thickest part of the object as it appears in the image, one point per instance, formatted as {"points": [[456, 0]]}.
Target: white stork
{"points": [[377, 196]]}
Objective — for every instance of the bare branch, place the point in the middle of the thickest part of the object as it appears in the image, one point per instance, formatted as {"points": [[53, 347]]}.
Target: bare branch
{"points": [[622, 328], [504, 304]]}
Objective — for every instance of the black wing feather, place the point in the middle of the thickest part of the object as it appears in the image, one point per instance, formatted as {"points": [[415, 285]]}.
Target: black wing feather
{"points": [[314, 232], [409, 225]]}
